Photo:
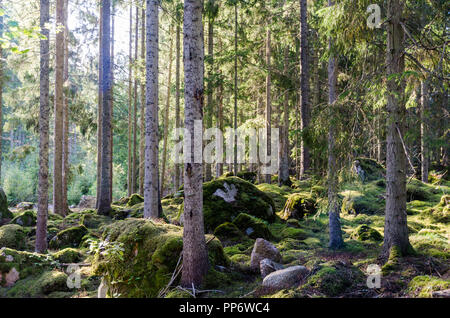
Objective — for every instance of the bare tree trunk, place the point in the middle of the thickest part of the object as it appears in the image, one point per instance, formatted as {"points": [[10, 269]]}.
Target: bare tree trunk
{"points": [[104, 206], [134, 167], [268, 177], [283, 160], [44, 110], [219, 124], [305, 161], [130, 110], [59, 103], [151, 182], [177, 96], [424, 155], [142, 129], [209, 103], [336, 241], [1, 94], [99, 110], [395, 226], [66, 124], [166, 115], [113, 14], [235, 85], [195, 256]]}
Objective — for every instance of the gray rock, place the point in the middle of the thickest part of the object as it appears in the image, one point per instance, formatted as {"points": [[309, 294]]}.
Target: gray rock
{"points": [[441, 293], [268, 266], [261, 250], [285, 278]]}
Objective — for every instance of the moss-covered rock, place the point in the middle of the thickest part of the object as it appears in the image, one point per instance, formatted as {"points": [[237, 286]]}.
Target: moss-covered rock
{"points": [[135, 199], [26, 218], [225, 198], [368, 203], [68, 255], [334, 278], [71, 237], [12, 236], [424, 286], [39, 286], [249, 176], [441, 211], [298, 206], [24, 206], [139, 256], [417, 190], [4, 211], [228, 233], [252, 226], [366, 233], [368, 169]]}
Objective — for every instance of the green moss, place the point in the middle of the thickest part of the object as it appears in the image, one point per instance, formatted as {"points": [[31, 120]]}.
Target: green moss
{"points": [[26, 263], [248, 199], [178, 293], [334, 278], [424, 286], [150, 252], [228, 233], [372, 169], [417, 190], [277, 194], [71, 237], [135, 199], [282, 231], [39, 286], [68, 255], [249, 176], [252, 226], [26, 218], [393, 261], [12, 236], [366, 233], [441, 211], [4, 211], [298, 206], [240, 258], [370, 201], [319, 191]]}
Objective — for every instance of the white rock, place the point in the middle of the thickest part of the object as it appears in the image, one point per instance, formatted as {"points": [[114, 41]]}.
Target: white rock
{"points": [[285, 278]]}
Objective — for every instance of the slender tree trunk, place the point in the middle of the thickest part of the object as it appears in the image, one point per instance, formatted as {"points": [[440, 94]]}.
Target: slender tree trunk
{"points": [[195, 256], [134, 167], [235, 85], [44, 110], [209, 103], [99, 110], [66, 124], [58, 110], [105, 181], [142, 129], [395, 226], [268, 177], [219, 124], [130, 110], [166, 115], [151, 181], [283, 158], [111, 142], [424, 156], [305, 161], [1, 94], [336, 241], [177, 97]]}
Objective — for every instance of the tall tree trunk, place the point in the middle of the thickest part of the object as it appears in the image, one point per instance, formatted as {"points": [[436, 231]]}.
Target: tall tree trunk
{"points": [[305, 161], [166, 115], [283, 158], [424, 156], [99, 109], [268, 177], [151, 181], [1, 94], [395, 226], [142, 129], [177, 96], [111, 142], [66, 124], [195, 256], [58, 110], [134, 168], [209, 103], [219, 123], [130, 110], [44, 110], [336, 241], [235, 85], [105, 181]]}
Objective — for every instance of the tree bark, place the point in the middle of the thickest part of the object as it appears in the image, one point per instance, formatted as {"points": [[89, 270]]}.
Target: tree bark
{"points": [[58, 111], [66, 124], [105, 181], [283, 158], [1, 94], [209, 102], [44, 110], [151, 181], [395, 226], [130, 110], [135, 153], [99, 110], [424, 155], [142, 129], [177, 96], [235, 85], [111, 142], [268, 177], [195, 256], [336, 241]]}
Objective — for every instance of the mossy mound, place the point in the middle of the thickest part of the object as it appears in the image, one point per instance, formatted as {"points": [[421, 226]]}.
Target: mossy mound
{"points": [[249, 176], [12, 236], [366, 233], [368, 203], [135, 199], [71, 237], [228, 233], [368, 169], [298, 206], [39, 286], [88, 218], [252, 226], [26, 263], [26, 218], [441, 211], [424, 286], [242, 197], [24, 206], [334, 278], [139, 256], [4, 211], [277, 194], [68, 255], [417, 190], [178, 293]]}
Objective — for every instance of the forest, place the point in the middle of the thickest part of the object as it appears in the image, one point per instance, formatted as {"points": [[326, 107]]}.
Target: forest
{"points": [[224, 149]]}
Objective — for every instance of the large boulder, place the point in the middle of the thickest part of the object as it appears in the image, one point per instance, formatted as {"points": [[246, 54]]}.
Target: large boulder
{"points": [[70, 237], [298, 206], [267, 266], [368, 169], [252, 226], [12, 236], [138, 256], [5, 214], [261, 250], [285, 278], [366, 233], [26, 218], [225, 198]]}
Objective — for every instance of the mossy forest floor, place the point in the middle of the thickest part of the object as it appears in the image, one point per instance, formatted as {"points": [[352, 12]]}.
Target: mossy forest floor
{"points": [[104, 245]]}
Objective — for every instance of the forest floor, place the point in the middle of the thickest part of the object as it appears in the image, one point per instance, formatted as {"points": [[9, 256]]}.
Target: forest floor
{"points": [[140, 257]]}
